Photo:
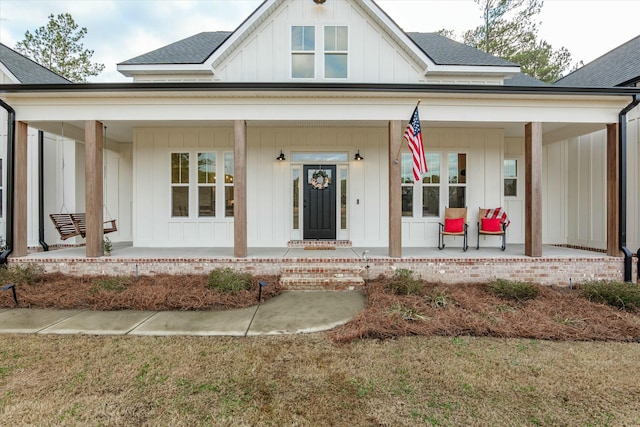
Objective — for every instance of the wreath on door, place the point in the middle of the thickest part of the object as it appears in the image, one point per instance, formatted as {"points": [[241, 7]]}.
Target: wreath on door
{"points": [[320, 180]]}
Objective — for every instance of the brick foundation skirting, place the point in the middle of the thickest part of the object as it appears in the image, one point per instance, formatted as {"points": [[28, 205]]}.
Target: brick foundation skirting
{"points": [[546, 271]]}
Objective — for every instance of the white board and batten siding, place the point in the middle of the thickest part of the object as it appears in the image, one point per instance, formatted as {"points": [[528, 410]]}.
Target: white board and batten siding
{"points": [[265, 56], [484, 184], [270, 183]]}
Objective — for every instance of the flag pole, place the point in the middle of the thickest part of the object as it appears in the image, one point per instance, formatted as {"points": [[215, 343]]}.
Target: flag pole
{"points": [[400, 149]]}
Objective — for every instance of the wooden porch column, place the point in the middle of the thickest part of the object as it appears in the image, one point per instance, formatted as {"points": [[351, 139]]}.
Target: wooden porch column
{"points": [[240, 189], [613, 190], [533, 189], [395, 190], [93, 191], [20, 192]]}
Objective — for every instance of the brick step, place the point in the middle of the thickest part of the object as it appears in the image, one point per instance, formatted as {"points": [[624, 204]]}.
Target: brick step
{"points": [[324, 270], [323, 277], [319, 243], [328, 284]]}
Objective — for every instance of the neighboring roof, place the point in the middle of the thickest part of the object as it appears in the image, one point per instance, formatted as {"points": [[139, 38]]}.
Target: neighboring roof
{"points": [[444, 51], [521, 79], [619, 67], [192, 50], [26, 70]]}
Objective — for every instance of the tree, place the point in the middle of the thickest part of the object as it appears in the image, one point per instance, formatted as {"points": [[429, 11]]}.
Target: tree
{"points": [[57, 47], [510, 31]]}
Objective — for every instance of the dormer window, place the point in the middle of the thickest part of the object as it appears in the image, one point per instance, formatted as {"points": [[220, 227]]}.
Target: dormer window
{"points": [[303, 46], [333, 51]]}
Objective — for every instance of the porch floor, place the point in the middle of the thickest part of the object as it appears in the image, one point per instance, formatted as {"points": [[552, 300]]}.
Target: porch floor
{"points": [[556, 266], [125, 250]]}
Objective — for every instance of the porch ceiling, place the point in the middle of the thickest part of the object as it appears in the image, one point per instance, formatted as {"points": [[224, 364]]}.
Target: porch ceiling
{"points": [[120, 131]]}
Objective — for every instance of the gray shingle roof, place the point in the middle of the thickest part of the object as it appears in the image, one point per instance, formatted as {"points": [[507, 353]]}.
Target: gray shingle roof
{"points": [[192, 50], [196, 49], [619, 67], [522, 79], [444, 51], [26, 70]]}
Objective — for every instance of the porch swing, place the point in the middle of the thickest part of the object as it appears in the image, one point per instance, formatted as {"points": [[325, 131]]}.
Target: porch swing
{"points": [[75, 224]]}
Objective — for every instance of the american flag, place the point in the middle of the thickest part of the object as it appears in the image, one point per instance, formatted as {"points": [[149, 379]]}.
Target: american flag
{"points": [[413, 135]]}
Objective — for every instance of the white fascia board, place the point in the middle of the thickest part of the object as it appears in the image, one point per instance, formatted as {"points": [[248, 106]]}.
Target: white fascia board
{"points": [[472, 69], [256, 106], [138, 69]]}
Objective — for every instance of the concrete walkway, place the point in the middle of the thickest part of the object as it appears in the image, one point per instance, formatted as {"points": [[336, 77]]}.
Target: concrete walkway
{"points": [[291, 312]]}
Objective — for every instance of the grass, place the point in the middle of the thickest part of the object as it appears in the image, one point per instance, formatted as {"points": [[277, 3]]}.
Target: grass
{"points": [[307, 380]]}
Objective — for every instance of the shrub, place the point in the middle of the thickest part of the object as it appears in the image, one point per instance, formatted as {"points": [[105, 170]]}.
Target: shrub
{"points": [[228, 280], [22, 274], [403, 283], [112, 284], [406, 313], [617, 294], [439, 298], [513, 290]]}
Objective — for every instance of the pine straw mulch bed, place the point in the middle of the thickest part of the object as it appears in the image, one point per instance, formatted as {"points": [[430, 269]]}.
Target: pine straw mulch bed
{"points": [[457, 310], [156, 293], [441, 310]]}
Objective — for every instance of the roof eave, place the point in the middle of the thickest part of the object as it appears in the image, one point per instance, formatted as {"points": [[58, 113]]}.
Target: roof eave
{"points": [[132, 70], [492, 70], [88, 88]]}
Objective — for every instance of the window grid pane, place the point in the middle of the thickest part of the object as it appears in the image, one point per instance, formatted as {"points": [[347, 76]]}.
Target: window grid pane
{"points": [[431, 201], [302, 66], [228, 201], [206, 201], [457, 197], [303, 38], [407, 200], [431, 187], [180, 201], [206, 168], [179, 168], [335, 65]]}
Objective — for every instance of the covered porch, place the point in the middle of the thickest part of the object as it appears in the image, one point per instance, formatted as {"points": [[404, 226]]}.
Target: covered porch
{"points": [[484, 119], [557, 266]]}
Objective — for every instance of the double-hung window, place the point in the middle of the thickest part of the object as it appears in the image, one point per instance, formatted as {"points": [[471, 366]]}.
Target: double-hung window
{"points": [[179, 184], [457, 163], [336, 43], [303, 46], [206, 184], [446, 178], [196, 189], [332, 51]]}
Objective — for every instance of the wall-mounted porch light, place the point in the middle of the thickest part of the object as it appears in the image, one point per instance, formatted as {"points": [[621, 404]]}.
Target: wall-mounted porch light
{"points": [[358, 157], [281, 157]]}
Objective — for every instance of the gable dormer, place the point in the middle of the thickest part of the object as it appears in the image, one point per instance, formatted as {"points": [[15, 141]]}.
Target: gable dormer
{"points": [[349, 41]]}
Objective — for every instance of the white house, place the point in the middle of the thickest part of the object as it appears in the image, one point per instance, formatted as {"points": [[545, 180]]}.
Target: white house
{"points": [[217, 140]]}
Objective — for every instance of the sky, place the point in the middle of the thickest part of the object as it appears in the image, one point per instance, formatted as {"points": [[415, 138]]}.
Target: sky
{"points": [[122, 29]]}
